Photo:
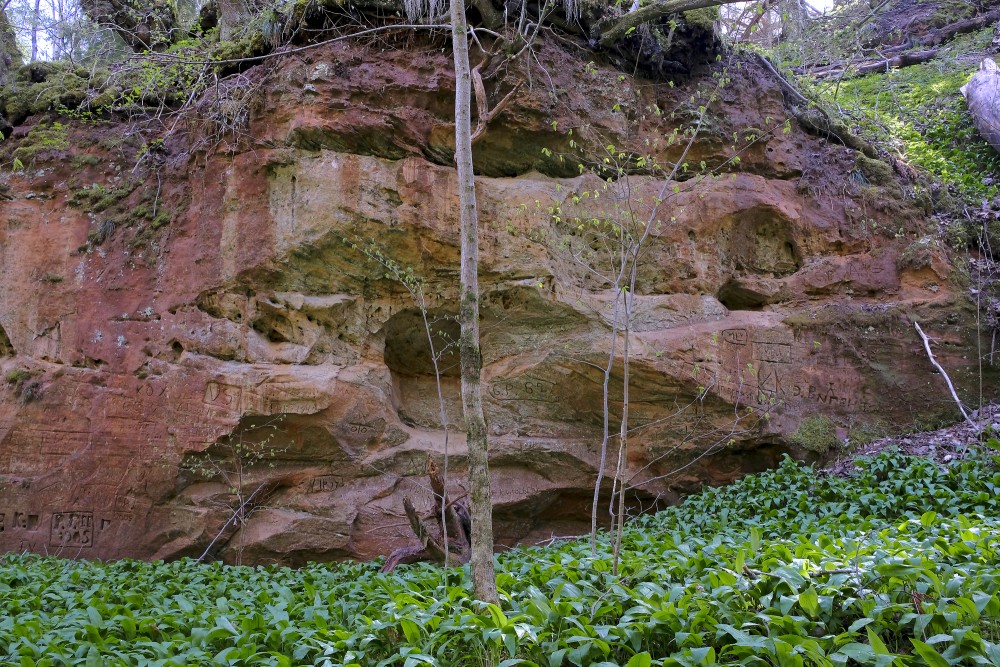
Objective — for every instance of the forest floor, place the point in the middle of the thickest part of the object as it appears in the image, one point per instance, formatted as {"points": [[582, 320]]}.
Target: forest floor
{"points": [[942, 445]]}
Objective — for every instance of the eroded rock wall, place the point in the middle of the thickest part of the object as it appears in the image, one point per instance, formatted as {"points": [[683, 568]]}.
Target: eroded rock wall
{"points": [[159, 376]]}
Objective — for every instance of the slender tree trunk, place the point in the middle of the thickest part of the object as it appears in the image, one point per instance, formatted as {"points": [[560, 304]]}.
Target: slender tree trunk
{"points": [[483, 574], [36, 20], [606, 433], [10, 57], [620, 472]]}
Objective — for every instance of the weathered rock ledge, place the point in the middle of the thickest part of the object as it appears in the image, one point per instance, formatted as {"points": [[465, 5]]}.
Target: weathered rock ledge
{"points": [[137, 365]]}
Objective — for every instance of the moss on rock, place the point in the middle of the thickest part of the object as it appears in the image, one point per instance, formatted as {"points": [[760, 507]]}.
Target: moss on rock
{"points": [[42, 138], [40, 87], [702, 18], [816, 434], [876, 171]]}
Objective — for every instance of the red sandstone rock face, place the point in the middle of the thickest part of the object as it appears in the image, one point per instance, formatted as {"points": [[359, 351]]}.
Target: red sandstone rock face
{"points": [[248, 351]]}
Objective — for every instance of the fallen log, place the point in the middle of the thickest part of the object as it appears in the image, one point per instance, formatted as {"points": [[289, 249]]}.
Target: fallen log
{"points": [[982, 94], [941, 35], [875, 66], [905, 56], [613, 29]]}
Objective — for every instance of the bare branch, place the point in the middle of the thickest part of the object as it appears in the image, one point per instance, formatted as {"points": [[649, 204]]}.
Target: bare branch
{"points": [[944, 374]]}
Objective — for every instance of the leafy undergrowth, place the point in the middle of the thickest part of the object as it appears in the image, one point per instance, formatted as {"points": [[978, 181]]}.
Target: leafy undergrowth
{"points": [[919, 112], [897, 565]]}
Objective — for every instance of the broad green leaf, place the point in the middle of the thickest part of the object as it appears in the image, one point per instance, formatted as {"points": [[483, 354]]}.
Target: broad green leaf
{"points": [[929, 654], [809, 600], [876, 643], [411, 631], [640, 660]]}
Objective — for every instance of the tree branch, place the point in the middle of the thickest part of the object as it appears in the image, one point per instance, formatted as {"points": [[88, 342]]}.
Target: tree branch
{"points": [[940, 369], [609, 31], [427, 542]]}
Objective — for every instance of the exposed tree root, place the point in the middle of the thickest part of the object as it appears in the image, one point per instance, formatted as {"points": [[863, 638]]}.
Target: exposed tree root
{"points": [[453, 545]]}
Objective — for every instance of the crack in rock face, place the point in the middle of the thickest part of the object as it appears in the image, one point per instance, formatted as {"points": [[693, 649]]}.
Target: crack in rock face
{"points": [[252, 381]]}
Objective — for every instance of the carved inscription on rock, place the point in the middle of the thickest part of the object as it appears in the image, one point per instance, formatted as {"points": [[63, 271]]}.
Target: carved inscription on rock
{"points": [[72, 529], [836, 397], [325, 483], [735, 336], [522, 388], [777, 353], [223, 395], [25, 521]]}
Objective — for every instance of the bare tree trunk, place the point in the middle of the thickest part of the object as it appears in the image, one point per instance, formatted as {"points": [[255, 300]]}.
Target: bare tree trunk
{"points": [[794, 20], [233, 15], [10, 57], [606, 433], [36, 20], [619, 514], [483, 574]]}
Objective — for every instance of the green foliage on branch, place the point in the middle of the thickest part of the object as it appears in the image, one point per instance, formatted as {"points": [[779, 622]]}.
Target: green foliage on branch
{"points": [[897, 565]]}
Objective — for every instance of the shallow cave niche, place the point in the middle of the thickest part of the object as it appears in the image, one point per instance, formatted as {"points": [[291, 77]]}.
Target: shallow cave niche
{"points": [[736, 296], [563, 397], [565, 513], [254, 479], [408, 355], [761, 241], [6, 349], [272, 450], [739, 460]]}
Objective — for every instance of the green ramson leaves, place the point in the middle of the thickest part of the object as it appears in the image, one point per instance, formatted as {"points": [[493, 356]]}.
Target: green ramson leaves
{"points": [[899, 565]]}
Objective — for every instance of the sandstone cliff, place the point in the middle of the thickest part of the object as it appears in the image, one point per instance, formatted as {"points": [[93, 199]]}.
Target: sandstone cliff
{"points": [[185, 324]]}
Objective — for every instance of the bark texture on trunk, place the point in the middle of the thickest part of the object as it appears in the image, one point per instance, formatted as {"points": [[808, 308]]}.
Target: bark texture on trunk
{"points": [[982, 94], [483, 574], [145, 25]]}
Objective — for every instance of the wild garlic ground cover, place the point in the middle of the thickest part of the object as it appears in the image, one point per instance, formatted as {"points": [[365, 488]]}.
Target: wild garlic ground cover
{"points": [[899, 565]]}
